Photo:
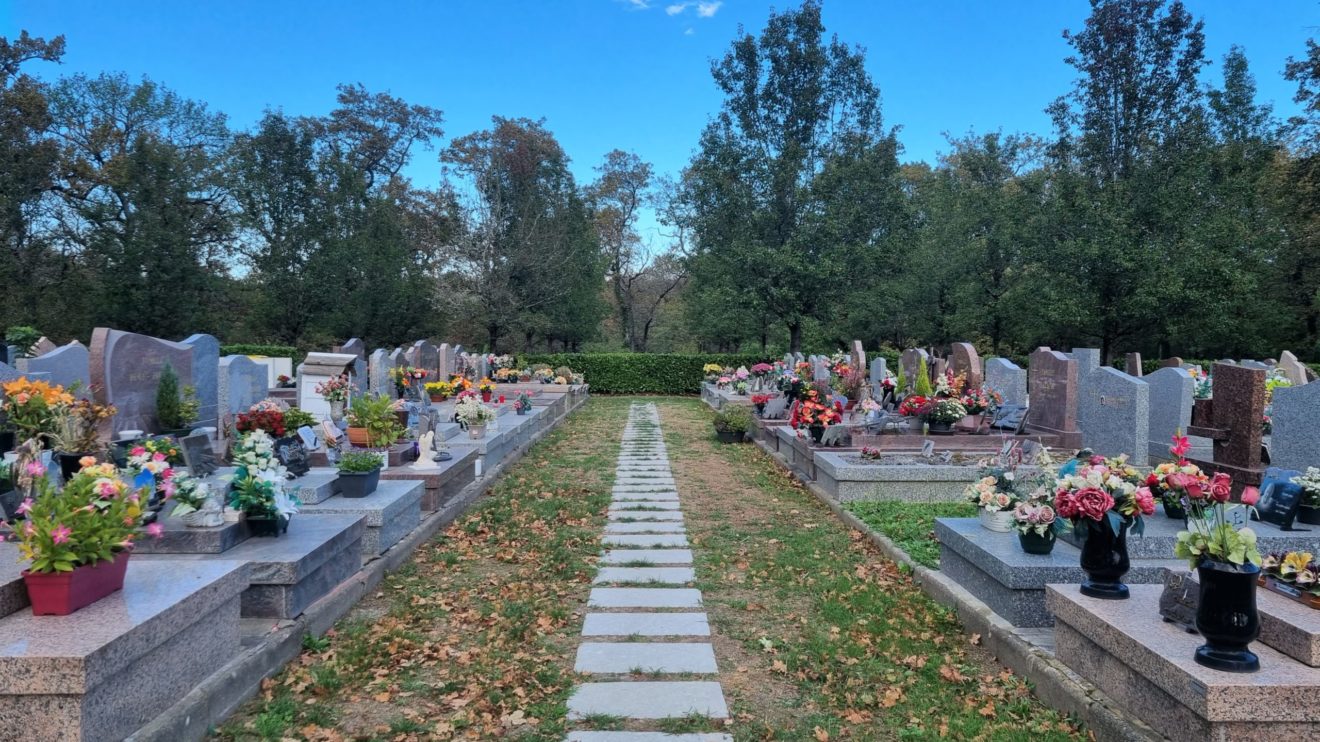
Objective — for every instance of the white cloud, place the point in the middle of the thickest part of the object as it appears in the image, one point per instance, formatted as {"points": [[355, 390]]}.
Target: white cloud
{"points": [[689, 32], [638, 4], [709, 9], [676, 8]]}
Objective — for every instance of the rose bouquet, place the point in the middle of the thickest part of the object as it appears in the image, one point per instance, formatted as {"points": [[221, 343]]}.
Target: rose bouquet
{"points": [[762, 370], [981, 401], [996, 491], [1034, 517], [1210, 535], [264, 419], [405, 377], [1103, 490]]}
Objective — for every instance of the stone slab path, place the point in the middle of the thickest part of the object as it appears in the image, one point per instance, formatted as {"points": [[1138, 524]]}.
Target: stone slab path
{"points": [[642, 619]]}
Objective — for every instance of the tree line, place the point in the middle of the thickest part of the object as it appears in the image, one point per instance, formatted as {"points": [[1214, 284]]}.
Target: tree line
{"points": [[1161, 214]]}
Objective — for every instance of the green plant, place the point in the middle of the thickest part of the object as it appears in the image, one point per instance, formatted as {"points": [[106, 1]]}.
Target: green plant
{"points": [[375, 412], [257, 349], [295, 418], [922, 385], [254, 496], [174, 410], [733, 419], [946, 411], [77, 426], [89, 521], [358, 462], [23, 337]]}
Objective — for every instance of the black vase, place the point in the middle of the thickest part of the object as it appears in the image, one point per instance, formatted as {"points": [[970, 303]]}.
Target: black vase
{"points": [[1175, 510], [1034, 543], [268, 527], [817, 432], [1308, 515], [1226, 616], [1104, 559], [69, 463]]}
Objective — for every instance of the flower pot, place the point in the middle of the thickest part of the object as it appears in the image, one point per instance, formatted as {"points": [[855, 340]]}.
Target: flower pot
{"points": [[1034, 543], [437, 398], [1226, 616], [69, 463], [1175, 511], [476, 431], [760, 409], [337, 410], [1104, 559], [353, 484], [1309, 515], [729, 436], [941, 427], [268, 527], [817, 432], [485, 396], [520, 410], [62, 593], [358, 437], [999, 521]]}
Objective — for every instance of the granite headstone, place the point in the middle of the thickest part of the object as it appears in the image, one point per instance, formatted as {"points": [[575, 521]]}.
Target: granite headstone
{"points": [[66, 366], [1171, 392], [963, 359], [1132, 364], [125, 369], [1295, 438], [1113, 414], [1052, 383], [1293, 369], [206, 372], [1007, 378]]}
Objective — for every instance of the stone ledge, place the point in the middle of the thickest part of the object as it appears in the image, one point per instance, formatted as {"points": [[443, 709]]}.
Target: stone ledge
{"points": [[394, 509]]}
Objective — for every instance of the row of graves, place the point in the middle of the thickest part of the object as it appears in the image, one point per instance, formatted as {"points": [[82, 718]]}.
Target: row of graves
{"points": [[175, 521], [1153, 533]]}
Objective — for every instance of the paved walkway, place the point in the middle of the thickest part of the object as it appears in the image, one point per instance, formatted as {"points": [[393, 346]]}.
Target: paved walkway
{"points": [[638, 622]]}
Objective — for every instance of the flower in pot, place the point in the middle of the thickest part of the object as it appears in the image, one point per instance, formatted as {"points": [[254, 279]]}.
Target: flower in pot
{"points": [[523, 404], [814, 414], [78, 539], [153, 472], [438, 391], [30, 407], [407, 379], [759, 401], [732, 423], [76, 433], [473, 415], [995, 495], [1103, 499], [265, 503], [175, 410], [914, 405], [1308, 510], [335, 392], [295, 418], [194, 503], [283, 381], [359, 473], [1171, 480], [712, 371], [1294, 574], [1227, 566], [372, 422], [741, 388], [486, 388], [264, 418], [1034, 520], [944, 412]]}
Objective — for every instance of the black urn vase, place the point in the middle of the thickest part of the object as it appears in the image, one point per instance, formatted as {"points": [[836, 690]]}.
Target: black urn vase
{"points": [[1104, 559], [1226, 615]]}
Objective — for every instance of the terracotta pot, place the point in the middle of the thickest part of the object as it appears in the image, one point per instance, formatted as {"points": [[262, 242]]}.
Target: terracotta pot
{"points": [[62, 593], [358, 436], [437, 398]]}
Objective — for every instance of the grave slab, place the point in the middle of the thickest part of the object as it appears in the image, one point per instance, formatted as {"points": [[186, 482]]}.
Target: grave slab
{"points": [[646, 624], [391, 513], [661, 540], [624, 657], [644, 597], [180, 539], [649, 700], [13, 592], [664, 575], [442, 481], [653, 556], [103, 672]]}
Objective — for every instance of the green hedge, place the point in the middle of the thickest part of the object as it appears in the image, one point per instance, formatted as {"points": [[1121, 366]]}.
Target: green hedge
{"points": [[642, 373], [252, 349]]}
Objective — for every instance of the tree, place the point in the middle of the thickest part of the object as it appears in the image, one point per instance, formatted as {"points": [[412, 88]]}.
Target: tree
{"points": [[785, 173]]}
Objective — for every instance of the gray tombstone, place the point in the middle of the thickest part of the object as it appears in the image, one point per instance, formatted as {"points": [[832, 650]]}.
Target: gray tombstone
{"points": [[1088, 360], [66, 366], [356, 347], [879, 370], [378, 372], [909, 365], [206, 371], [1295, 439], [125, 370], [1171, 391], [43, 346], [858, 356], [445, 361], [1248, 363], [398, 358], [1007, 378], [963, 359], [789, 360], [798, 358], [1133, 364], [481, 366], [1113, 413], [242, 383], [1293, 369], [9, 373], [819, 371]]}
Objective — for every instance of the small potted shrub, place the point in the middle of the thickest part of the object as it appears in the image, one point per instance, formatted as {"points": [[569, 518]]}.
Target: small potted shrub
{"points": [[487, 388], [77, 433], [474, 416], [439, 391], [523, 404], [78, 539], [732, 423], [359, 473], [175, 411], [372, 422], [295, 418], [267, 507]]}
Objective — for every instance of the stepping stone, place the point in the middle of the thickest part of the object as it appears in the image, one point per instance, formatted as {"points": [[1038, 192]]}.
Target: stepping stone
{"points": [[644, 737], [655, 527], [652, 556], [646, 624], [623, 481], [630, 488], [644, 597], [651, 515], [634, 505], [661, 540], [623, 657], [658, 575], [649, 700], [635, 496]]}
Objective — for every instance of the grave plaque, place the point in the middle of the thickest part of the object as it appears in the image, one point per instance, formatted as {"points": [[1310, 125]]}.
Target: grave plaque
{"points": [[964, 360], [125, 369], [198, 455], [1279, 498], [1178, 601], [427, 356], [378, 370], [1053, 388], [445, 361], [293, 455]]}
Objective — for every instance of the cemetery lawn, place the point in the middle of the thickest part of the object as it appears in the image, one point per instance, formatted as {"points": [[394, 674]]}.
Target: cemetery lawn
{"points": [[817, 635], [911, 525]]}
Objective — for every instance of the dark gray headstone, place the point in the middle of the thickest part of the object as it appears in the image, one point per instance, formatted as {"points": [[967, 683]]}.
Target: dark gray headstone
{"points": [[1132, 363], [378, 371], [206, 371], [241, 384], [198, 455]]}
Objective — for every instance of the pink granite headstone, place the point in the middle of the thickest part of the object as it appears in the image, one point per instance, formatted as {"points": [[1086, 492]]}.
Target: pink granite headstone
{"points": [[1052, 384], [964, 360], [125, 369]]}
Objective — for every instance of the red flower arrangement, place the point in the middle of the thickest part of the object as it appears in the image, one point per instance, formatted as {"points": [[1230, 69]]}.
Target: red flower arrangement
{"points": [[914, 405], [809, 412], [271, 421], [760, 398]]}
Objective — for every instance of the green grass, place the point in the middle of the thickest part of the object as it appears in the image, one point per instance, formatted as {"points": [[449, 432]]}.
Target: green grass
{"points": [[911, 525]]}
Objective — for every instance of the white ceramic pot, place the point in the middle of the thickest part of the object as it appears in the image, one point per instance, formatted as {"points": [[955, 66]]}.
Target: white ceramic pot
{"points": [[999, 522]]}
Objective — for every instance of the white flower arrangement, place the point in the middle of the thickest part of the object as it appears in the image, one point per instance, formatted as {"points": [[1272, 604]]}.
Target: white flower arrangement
{"points": [[471, 411]]}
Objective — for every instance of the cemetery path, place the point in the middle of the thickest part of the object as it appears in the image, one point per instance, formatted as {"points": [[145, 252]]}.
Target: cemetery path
{"points": [[812, 633]]}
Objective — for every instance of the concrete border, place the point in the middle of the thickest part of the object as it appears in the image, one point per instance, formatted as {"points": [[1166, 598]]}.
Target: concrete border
{"points": [[220, 694], [1054, 683]]}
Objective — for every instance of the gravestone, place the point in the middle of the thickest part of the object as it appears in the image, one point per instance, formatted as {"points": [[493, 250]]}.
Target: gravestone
{"points": [[1293, 369], [445, 361], [789, 360], [909, 365], [428, 356], [241, 384], [1052, 384], [858, 357], [66, 366], [378, 372], [481, 366], [293, 455], [316, 369], [879, 371], [1239, 408], [1171, 391], [206, 371], [198, 455], [1007, 378], [9, 373], [1295, 438], [356, 347], [43, 346], [398, 358], [1132, 363], [1279, 498], [938, 366], [819, 371], [1113, 414], [1088, 360], [125, 369], [965, 360], [1174, 362], [1248, 363]]}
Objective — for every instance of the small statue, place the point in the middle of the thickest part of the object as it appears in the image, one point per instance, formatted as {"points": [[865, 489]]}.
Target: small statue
{"points": [[425, 454]]}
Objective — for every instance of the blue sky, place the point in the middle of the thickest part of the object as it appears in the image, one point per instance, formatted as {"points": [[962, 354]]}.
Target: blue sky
{"points": [[605, 74]]}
